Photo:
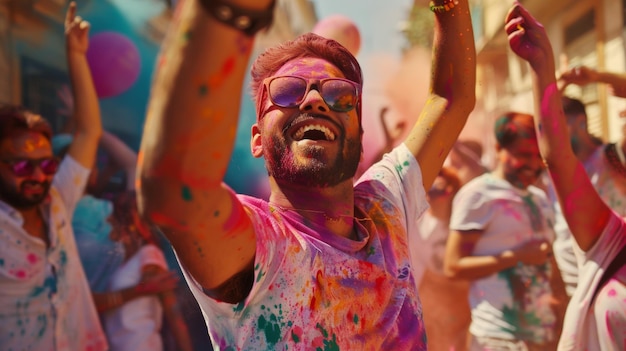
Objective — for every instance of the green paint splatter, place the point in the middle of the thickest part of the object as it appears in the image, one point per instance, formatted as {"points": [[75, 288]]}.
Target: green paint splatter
{"points": [[330, 345], [270, 328], [295, 337], [260, 275], [322, 330], [186, 193], [239, 307], [355, 319]]}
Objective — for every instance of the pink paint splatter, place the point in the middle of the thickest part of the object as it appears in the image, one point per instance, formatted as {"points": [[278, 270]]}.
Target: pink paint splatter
{"points": [[19, 274], [32, 258]]}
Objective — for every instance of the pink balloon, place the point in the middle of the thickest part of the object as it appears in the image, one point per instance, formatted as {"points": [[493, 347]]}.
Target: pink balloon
{"points": [[342, 29], [114, 62]]}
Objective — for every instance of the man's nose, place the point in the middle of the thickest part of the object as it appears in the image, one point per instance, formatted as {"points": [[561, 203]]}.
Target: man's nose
{"points": [[313, 101], [38, 175]]}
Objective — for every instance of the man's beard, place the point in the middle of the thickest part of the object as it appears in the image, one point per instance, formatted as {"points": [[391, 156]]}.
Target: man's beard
{"points": [[281, 164], [18, 200], [515, 177]]}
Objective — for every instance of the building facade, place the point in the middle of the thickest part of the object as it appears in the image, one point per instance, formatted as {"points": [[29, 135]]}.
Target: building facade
{"points": [[582, 32]]}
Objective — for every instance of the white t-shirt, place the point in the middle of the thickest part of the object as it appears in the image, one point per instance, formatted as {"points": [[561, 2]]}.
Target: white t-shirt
{"points": [[136, 325], [429, 246], [512, 304], [601, 326], [45, 301], [315, 290]]}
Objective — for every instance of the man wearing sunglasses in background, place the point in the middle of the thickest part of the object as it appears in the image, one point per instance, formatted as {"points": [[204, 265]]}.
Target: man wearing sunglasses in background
{"points": [[45, 301], [324, 264]]}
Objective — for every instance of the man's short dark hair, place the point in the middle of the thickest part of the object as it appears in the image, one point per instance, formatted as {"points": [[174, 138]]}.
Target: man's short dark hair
{"points": [[16, 118], [512, 126], [306, 45], [572, 107]]}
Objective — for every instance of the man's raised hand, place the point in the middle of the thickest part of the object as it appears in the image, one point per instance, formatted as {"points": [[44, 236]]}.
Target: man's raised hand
{"points": [[76, 31]]}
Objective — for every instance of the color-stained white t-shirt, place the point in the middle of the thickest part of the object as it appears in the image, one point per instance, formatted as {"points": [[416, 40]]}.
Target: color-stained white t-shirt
{"points": [[429, 246], [314, 290], [512, 304], [136, 325], [600, 326], [45, 301]]}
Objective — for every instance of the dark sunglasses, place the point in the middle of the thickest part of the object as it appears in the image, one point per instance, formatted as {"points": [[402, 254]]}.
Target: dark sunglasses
{"points": [[26, 167], [339, 94]]}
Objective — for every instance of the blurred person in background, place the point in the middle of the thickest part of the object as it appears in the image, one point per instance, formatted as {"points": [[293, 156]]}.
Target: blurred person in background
{"points": [[135, 324], [444, 301], [596, 315], [45, 301], [501, 240]]}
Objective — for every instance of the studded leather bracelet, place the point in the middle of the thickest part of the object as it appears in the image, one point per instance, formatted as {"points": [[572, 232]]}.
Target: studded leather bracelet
{"points": [[247, 21]]}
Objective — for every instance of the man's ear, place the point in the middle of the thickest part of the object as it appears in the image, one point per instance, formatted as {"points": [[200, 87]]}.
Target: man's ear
{"points": [[256, 145]]}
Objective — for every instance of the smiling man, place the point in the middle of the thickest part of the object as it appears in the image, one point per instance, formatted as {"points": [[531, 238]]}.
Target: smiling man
{"points": [[324, 263], [45, 301], [500, 239]]}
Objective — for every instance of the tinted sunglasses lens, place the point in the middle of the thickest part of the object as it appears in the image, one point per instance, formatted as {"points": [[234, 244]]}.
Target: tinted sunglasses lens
{"points": [[287, 91], [339, 94], [23, 168], [49, 166]]}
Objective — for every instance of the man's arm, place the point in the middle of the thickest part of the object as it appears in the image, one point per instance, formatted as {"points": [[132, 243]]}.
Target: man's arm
{"points": [[452, 96], [461, 263], [583, 75], [87, 123], [584, 210], [187, 143], [121, 157]]}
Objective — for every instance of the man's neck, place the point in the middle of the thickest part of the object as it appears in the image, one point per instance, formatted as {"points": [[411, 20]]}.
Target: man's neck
{"points": [[34, 223], [332, 207]]}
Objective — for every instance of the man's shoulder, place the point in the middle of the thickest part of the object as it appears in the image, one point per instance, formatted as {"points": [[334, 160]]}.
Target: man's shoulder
{"points": [[482, 183], [486, 188]]}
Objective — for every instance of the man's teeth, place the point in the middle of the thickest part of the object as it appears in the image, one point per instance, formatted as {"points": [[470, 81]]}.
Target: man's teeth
{"points": [[328, 134]]}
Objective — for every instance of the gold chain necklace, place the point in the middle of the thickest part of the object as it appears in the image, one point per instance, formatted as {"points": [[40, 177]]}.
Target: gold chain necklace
{"points": [[323, 213]]}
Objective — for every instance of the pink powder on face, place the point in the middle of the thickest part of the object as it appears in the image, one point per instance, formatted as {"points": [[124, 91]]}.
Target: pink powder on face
{"points": [[309, 68]]}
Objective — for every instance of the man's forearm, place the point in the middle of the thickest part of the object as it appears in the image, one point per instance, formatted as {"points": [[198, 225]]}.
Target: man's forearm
{"points": [[194, 108], [454, 56], [86, 106]]}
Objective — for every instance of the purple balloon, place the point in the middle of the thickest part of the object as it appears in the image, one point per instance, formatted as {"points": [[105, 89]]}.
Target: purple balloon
{"points": [[114, 62]]}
